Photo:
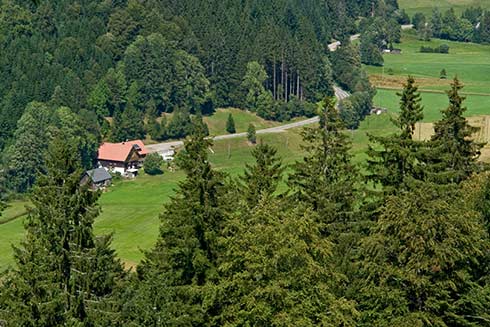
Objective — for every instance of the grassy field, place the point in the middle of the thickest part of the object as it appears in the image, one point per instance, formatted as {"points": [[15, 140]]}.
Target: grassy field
{"points": [[470, 62], [217, 122], [426, 6], [130, 209]]}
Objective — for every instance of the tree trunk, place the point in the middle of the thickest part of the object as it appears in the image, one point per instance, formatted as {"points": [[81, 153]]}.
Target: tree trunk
{"points": [[274, 81], [297, 84], [286, 85]]}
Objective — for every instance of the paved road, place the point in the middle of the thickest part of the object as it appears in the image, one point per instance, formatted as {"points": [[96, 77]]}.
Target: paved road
{"points": [[162, 147], [333, 46]]}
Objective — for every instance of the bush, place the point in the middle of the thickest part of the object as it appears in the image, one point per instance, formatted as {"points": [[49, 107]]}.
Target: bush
{"points": [[443, 48], [153, 164], [251, 134], [230, 125]]}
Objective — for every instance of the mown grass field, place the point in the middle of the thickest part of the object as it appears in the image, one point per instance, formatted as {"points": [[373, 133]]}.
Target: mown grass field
{"points": [[470, 62], [426, 6], [217, 122]]}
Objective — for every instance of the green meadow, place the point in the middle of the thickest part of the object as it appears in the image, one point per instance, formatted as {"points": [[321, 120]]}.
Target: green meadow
{"points": [[470, 62], [426, 6], [131, 208]]}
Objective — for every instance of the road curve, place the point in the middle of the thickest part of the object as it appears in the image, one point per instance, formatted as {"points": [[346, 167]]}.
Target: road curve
{"points": [[162, 147]]}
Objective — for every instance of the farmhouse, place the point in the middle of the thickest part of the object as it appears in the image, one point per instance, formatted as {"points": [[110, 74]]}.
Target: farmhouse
{"points": [[97, 178], [124, 158]]}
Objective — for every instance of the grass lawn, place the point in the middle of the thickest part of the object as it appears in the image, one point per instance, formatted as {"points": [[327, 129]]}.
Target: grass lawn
{"points": [[426, 6]]}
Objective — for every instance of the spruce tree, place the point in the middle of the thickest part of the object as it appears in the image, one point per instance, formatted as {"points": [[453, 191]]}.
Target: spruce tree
{"points": [[423, 261], [326, 178], [64, 275], [393, 160], [276, 270], [251, 134], [230, 124], [411, 111], [453, 153], [174, 278], [261, 179]]}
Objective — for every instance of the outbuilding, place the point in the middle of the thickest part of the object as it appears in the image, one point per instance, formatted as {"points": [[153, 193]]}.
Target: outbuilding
{"points": [[97, 179]]}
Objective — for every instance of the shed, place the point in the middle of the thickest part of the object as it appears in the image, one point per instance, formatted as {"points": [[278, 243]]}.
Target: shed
{"points": [[97, 178]]}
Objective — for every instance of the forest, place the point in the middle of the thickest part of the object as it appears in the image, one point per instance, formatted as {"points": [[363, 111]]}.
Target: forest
{"points": [[401, 239], [113, 70], [407, 242]]}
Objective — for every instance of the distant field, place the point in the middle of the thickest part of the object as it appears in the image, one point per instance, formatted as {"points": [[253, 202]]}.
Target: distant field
{"points": [[470, 62], [426, 6]]}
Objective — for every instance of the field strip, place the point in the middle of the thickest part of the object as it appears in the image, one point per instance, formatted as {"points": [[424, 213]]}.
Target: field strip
{"points": [[432, 91]]}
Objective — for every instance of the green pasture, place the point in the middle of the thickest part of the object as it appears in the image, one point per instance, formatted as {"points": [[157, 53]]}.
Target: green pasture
{"points": [[242, 118], [426, 6], [433, 103], [469, 61], [131, 208]]}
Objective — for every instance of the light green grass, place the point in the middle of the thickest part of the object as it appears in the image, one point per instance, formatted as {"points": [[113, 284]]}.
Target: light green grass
{"points": [[242, 118], [426, 6], [470, 62], [131, 208], [433, 103]]}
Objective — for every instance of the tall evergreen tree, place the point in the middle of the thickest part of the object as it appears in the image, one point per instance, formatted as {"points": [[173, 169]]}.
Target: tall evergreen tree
{"points": [[326, 178], [261, 179], [175, 278], [64, 275], [393, 160], [276, 270], [251, 134], [453, 154], [423, 262]]}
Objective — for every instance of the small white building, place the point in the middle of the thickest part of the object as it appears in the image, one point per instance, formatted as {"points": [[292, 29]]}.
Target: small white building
{"points": [[168, 155]]}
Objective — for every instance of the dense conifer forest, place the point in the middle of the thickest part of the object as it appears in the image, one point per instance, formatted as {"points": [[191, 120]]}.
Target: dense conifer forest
{"points": [[402, 239]]}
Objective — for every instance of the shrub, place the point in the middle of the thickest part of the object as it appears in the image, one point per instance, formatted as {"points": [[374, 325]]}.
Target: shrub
{"points": [[153, 164], [251, 134]]}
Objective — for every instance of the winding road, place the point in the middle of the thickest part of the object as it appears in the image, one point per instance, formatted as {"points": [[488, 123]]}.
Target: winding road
{"points": [[339, 94], [162, 147]]}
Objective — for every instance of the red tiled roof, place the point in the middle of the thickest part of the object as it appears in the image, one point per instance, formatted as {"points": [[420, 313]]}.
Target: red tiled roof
{"points": [[120, 151]]}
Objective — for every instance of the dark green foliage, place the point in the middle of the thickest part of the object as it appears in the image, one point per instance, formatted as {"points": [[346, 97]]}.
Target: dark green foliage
{"points": [[251, 134], [443, 74], [453, 156], [64, 275], [411, 111], [128, 125], [261, 179], [175, 280], [394, 160], [422, 262], [276, 272], [325, 178], [419, 21], [443, 48], [180, 125], [230, 124], [153, 164]]}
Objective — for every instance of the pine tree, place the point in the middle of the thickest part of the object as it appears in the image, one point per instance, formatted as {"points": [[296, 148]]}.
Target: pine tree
{"points": [[411, 111], [230, 124], [64, 275], [423, 260], [276, 270], [393, 160], [325, 178], [128, 125], [453, 154], [173, 279], [251, 134], [261, 179]]}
